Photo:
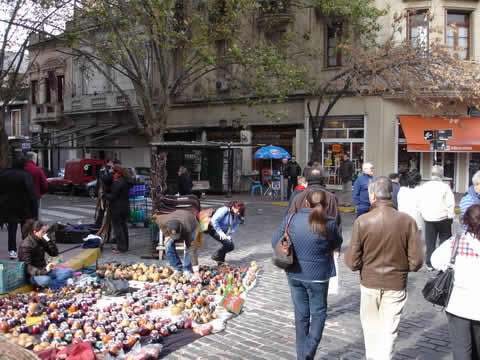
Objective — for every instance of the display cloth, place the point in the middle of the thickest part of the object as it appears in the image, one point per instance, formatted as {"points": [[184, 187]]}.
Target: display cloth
{"points": [[162, 311]]}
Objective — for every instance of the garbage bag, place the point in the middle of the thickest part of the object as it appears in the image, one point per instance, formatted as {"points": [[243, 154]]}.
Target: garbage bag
{"points": [[115, 287]]}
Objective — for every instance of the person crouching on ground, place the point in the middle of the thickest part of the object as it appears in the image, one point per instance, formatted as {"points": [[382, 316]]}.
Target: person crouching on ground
{"points": [[181, 225], [119, 205], [314, 237], [32, 252], [223, 225]]}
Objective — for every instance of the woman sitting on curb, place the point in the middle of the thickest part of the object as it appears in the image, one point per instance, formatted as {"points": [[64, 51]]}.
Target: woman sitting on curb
{"points": [[32, 252]]}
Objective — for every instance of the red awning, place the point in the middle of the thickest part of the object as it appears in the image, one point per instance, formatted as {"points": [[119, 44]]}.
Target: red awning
{"points": [[465, 137]]}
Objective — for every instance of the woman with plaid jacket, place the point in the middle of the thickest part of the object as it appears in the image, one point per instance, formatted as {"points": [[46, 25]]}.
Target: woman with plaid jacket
{"points": [[463, 312]]}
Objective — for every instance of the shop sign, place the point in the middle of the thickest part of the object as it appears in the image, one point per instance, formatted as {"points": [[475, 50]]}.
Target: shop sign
{"points": [[35, 128], [26, 146], [336, 148]]}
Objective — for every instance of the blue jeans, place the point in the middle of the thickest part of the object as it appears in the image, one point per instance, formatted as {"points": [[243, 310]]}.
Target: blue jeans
{"points": [[174, 260], [55, 279], [310, 303]]}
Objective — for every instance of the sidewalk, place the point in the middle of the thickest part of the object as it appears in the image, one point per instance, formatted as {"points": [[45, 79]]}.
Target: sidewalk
{"points": [[265, 329]]}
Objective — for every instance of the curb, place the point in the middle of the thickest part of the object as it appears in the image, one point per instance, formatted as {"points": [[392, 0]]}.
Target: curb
{"points": [[85, 258]]}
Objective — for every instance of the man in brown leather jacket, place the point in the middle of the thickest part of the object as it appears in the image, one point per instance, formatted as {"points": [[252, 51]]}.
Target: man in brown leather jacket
{"points": [[385, 246]]}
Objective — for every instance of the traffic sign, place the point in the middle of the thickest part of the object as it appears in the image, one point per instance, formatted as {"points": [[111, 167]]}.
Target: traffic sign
{"points": [[438, 145], [445, 134], [428, 134]]}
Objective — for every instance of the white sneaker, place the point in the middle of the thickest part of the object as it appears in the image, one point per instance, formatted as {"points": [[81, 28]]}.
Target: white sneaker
{"points": [[13, 254]]}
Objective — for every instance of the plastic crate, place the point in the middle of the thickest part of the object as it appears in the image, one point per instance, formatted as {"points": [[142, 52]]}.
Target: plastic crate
{"points": [[138, 190], [12, 275]]}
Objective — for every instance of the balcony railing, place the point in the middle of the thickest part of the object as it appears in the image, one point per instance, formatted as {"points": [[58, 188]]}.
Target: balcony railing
{"points": [[46, 112], [98, 102], [274, 14]]}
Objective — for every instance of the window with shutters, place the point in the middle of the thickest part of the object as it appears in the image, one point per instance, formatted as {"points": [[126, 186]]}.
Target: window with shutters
{"points": [[458, 34]]}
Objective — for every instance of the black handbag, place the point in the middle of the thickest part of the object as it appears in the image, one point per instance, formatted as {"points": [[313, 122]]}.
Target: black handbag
{"points": [[283, 251], [437, 290]]}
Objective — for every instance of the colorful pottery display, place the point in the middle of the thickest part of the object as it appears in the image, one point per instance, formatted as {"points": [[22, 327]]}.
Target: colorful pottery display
{"points": [[165, 302]]}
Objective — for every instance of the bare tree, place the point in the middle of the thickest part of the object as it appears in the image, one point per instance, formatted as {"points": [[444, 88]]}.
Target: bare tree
{"points": [[19, 20]]}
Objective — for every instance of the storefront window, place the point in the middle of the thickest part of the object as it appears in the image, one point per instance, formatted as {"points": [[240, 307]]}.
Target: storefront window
{"points": [[333, 155], [407, 161], [341, 134], [334, 134]]}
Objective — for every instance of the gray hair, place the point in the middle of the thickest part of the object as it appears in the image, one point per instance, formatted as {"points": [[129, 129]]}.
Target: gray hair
{"points": [[315, 174], [367, 165], [476, 178], [437, 171], [31, 156], [381, 186]]}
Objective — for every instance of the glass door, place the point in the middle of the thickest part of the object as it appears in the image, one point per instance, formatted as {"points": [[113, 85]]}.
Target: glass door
{"points": [[448, 161]]}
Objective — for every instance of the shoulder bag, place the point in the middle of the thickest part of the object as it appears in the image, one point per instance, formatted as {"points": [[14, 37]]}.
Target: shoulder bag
{"points": [[437, 290], [283, 251]]}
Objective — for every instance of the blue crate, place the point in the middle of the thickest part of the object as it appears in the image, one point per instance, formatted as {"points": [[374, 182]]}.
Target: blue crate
{"points": [[12, 275], [138, 190]]}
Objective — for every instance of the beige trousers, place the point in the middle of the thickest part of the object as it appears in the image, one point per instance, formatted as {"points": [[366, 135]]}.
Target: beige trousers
{"points": [[380, 312]]}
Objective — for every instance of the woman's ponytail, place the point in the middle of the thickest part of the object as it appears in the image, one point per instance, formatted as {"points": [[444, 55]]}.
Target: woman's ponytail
{"points": [[317, 221]]}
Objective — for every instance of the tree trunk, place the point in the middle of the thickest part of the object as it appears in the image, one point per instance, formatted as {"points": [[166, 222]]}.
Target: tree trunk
{"points": [[156, 121], [3, 141]]}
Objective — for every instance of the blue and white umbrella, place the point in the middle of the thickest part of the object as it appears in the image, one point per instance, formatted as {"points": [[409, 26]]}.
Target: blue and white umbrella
{"points": [[271, 152]]}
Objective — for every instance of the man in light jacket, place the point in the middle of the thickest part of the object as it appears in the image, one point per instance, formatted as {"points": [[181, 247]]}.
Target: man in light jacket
{"points": [[437, 206], [385, 246]]}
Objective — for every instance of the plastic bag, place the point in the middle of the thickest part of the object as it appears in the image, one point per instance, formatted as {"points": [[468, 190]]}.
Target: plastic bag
{"points": [[115, 287], [147, 352], [333, 283]]}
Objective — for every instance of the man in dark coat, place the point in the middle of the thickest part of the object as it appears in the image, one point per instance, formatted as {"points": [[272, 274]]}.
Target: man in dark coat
{"points": [[395, 179], [293, 171], [119, 206], [346, 173], [315, 183], [39, 179], [18, 201]]}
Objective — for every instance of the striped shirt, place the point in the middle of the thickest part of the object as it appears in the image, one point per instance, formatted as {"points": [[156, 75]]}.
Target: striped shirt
{"points": [[466, 202]]}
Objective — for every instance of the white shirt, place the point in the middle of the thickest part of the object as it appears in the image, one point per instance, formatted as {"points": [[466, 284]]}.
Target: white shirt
{"points": [[408, 203], [466, 287], [436, 201]]}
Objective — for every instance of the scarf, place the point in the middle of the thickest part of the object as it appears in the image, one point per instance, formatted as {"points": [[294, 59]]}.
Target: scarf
{"points": [[116, 176]]}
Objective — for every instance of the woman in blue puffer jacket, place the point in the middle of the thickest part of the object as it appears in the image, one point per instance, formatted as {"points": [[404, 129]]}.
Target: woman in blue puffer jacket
{"points": [[314, 237], [223, 225]]}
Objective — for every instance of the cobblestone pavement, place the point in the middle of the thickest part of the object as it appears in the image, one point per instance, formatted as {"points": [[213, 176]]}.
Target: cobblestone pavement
{"points": [[265, 329]]}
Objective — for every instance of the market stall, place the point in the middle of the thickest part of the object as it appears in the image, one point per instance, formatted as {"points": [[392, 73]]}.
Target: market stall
{"points": [[126, 311]]}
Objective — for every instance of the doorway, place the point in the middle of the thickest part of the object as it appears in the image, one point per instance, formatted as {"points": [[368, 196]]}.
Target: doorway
{"points": [[449, 162]]}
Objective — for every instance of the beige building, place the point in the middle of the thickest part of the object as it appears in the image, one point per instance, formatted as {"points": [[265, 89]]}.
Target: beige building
{"points": [[376, 129]]}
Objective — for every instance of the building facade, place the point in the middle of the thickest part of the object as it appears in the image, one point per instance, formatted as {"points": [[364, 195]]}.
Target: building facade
{"points": [[92, 120]]}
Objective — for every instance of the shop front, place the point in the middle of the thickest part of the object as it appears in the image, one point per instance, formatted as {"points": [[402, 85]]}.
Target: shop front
{"points": [[460, 156], [341, 134]]}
